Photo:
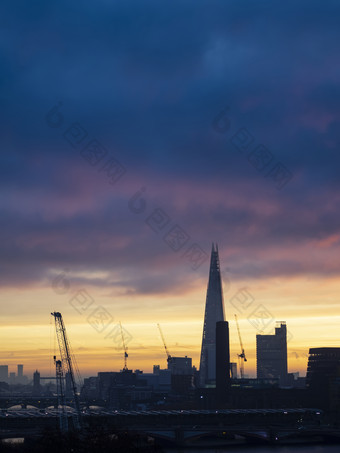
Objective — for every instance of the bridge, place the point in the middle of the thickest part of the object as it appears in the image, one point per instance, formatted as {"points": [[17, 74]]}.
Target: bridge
{"points": [[40, 402], [181, 427]]}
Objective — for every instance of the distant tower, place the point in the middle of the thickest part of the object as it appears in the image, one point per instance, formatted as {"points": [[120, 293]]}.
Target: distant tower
{"points": [[36, 383], [11, 378], [214, 312], [271, 354], [20, 373], [222, 361], [3, 373]]}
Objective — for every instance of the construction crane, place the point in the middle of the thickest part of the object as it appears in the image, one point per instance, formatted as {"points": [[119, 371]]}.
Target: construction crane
{"points": [[169, 358], [61, 406], [241, 357], [125, 348], [66, 364]]}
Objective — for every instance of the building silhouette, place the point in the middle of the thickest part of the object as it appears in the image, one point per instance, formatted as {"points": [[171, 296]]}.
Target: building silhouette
{"points": [[36, 383], [222, 361], [11, 378], [180, 365], [271, 355], [214, 312], [3, 373], [182, 374], [323, 377], [233, 370], [20, 375]]}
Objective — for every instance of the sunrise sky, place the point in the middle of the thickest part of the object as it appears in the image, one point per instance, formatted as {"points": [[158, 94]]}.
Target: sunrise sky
{"points": [[129, 139]]}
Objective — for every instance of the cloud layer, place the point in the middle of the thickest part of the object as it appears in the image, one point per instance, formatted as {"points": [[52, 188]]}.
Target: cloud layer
{"points": [[148, 82]]}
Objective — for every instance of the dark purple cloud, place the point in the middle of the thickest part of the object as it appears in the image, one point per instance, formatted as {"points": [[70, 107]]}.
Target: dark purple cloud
{"points": [[147, 80]]}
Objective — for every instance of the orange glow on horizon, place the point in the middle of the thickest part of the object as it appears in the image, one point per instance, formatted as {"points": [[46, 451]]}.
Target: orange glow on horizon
{"points": [[309, 306]]}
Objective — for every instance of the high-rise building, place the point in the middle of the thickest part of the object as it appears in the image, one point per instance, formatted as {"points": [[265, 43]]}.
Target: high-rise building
{"points": [[3, 373], [20, 375], [222, 361], [182, 374], [214, 312], [233, 370], [20, 371], [180, 365], [36, 383], [271, 355], [323, 377]]}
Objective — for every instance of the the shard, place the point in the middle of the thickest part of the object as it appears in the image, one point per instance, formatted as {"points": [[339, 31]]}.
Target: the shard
{"points": [[214, 312]]}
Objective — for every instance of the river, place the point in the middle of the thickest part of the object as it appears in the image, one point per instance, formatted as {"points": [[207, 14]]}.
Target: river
{"points": [[262, 449]]}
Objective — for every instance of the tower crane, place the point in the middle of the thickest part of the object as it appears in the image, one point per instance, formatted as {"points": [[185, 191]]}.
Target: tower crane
{"points": [[169, 358], [241, 357], [61, 406], [66, 364], [125, 348]]}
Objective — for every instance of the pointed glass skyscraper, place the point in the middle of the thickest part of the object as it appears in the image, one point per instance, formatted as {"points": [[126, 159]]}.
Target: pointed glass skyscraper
{"points": [[214, 312]]}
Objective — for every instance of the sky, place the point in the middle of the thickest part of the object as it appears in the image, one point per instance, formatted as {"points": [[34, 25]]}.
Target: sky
{"points": [[135, 134]]}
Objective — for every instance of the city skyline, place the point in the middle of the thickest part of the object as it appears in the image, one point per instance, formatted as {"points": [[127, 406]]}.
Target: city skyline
{"points": [[215, 282], [134, 137], [61, 286]]}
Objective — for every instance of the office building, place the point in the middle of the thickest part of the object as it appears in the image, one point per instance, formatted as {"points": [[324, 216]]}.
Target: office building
{"points": [[3, 373], [233, 370], [180, 365], [182, 374], [323, 377], [271, 355], [36, 383], [222, 361], [20, 373]]}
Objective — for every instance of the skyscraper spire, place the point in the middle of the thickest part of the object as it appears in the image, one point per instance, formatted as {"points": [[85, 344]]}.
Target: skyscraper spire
{"points": [[214, 312]]}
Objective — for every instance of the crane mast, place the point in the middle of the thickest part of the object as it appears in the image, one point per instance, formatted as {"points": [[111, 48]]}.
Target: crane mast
{"points": [[169, 358], [61, 407], [242, 357], [66, 364], [125, 348]]}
